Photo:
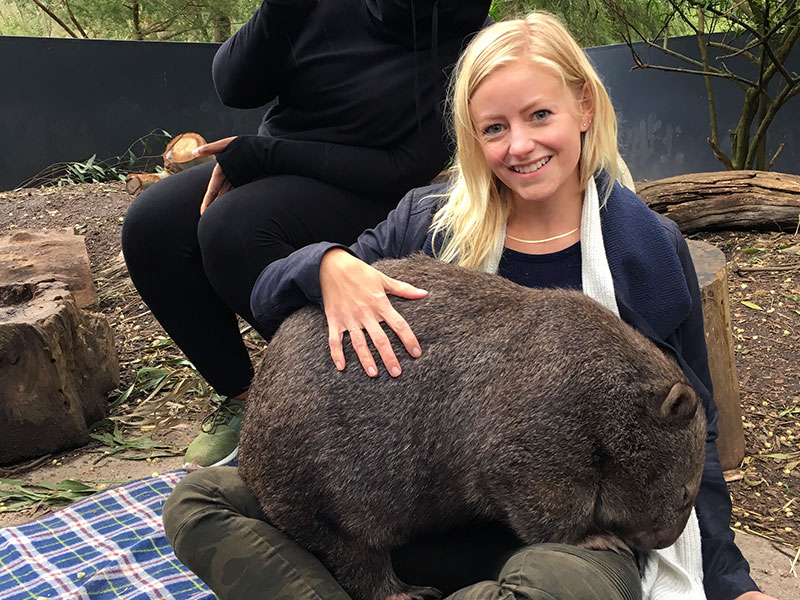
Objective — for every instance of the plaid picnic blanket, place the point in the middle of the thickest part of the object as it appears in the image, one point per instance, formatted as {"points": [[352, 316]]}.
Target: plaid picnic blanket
{"points": [[109, 545]]}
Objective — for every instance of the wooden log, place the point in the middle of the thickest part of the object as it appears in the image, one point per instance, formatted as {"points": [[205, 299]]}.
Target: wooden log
{"points": [[726, 200], [136, 183], [709, 262], [178, 154]]}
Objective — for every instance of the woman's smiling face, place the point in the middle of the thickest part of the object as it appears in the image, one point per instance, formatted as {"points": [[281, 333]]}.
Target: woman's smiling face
{"points": [[529, 127]]}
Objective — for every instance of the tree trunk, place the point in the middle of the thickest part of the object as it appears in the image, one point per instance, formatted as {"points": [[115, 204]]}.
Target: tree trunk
{"points": [[709, 262], [726, 200]]}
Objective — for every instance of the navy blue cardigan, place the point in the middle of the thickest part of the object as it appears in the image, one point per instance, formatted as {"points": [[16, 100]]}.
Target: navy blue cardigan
{"points": [[657, 293]]}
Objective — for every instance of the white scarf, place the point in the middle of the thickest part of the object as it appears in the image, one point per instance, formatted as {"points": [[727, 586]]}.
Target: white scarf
{"points": [[675, 572]]}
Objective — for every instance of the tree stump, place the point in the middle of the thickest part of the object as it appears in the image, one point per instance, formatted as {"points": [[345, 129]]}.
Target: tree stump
{"points": [[57, 360], [726, 200], [709, 262], [57, 363]]}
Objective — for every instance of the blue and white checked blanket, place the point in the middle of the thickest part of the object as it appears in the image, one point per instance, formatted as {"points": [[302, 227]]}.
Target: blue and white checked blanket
{"points": [[108, 546]]}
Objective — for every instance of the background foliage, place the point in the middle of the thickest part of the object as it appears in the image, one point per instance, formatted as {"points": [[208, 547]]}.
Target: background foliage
{"points": [[189, 20], [214, 20], [594, 22]]}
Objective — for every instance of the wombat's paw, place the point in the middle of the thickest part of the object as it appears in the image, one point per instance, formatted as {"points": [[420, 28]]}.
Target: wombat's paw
{"points": [[606, 541], [413, 592]]}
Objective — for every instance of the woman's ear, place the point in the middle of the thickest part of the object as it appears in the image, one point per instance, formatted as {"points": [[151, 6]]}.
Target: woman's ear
{"points": [[586, 105]]}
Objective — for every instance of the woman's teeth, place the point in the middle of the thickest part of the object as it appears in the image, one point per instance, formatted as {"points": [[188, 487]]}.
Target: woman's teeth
{"points": [[531, 168]]}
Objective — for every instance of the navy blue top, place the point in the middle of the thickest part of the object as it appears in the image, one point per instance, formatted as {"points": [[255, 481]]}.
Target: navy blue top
{"points": [[560, 269]]}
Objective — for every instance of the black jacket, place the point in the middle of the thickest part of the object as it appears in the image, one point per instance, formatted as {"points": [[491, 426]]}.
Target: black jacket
{"points": [[359, 87], [657, 293]]}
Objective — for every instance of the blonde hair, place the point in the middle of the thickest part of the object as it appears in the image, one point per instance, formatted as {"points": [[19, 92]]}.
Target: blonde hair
{"points": [[477, 204]]}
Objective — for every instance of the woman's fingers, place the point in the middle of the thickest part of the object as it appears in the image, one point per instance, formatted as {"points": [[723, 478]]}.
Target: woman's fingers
{"points": [[398, 324], [369, 329], [354, 295], [403, 289], [359, 341], [384, 347], [335, 343], [212, 148], [217, 185]]}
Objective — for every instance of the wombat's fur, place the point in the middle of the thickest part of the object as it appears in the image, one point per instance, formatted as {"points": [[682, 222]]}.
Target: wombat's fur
{"points": [[538, 407]]}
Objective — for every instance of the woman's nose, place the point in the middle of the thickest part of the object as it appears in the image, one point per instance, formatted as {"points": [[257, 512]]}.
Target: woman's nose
{"points": [[521, 142]]}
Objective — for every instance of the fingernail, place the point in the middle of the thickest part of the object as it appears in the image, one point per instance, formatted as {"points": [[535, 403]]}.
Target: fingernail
{"points": [[339, 365], [395, 371], [416, 352], [421, 291], [372, 371], [196, 151]]}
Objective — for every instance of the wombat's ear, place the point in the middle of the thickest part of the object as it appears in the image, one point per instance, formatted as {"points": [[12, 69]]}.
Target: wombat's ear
{"points": [[680, 403]]}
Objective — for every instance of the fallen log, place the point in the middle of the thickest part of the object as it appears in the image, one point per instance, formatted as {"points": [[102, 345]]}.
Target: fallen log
{"points": [[726, 200], [135, 183], [178, 153]]}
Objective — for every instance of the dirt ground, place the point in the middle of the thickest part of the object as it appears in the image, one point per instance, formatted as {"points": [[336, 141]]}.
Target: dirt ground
{"points": [[764, 284]]}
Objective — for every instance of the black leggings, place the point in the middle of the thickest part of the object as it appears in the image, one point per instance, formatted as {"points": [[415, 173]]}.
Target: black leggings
{"points": [[196, 273]]}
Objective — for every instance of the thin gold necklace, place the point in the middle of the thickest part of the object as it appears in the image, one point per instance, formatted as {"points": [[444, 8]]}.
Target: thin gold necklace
{"points": [[550, 239]]}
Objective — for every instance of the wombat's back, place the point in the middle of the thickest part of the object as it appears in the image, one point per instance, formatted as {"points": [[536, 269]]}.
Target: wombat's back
{"points": [[539, 393]]}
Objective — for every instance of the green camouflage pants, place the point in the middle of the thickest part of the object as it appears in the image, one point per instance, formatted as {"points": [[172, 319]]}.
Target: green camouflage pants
{"points": [[217, 529]]}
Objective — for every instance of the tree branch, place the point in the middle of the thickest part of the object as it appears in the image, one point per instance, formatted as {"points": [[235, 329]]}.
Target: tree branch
{"points": [[775, 157], [733, 51], [73, 19], [640, 63], [55, 18], [712, 107], [763, 39], [720, 155], [782, 98]]}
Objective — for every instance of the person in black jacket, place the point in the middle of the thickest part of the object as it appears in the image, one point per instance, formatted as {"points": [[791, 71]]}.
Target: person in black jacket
{"points": [[357, 123]]}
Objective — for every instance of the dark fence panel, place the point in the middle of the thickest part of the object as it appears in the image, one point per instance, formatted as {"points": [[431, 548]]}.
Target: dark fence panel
{"points": [[664, 119], [64, 100]]}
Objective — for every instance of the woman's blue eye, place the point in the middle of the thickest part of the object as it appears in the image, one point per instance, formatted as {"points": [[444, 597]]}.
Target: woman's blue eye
{"points": [[493, 129], [541, 114]]}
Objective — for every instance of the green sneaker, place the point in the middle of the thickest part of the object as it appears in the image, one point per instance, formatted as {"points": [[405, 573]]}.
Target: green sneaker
{"points": [[218, 442]]}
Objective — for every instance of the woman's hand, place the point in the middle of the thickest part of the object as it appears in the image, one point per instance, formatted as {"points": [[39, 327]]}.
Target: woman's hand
{"points": [[355, 298], [218, 184]]}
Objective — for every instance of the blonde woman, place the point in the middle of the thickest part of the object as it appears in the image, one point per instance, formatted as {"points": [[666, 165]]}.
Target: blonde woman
{"points": [[532, 197]]}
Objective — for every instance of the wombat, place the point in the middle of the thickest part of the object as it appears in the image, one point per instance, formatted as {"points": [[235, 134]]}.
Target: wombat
{"points": [[537, 407]]}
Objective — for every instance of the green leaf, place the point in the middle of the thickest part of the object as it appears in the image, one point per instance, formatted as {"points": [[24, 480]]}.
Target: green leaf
{"points": [[778, 455], [752, 305], [16, 495], [122, 398], [752, 250]]}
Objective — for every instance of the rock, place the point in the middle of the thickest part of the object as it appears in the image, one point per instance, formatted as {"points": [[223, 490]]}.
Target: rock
{"points": [[29, 255], [57, 363]]}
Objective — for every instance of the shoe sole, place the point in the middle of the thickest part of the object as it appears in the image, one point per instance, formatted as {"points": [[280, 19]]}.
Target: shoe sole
{"points": [[191, 466]]}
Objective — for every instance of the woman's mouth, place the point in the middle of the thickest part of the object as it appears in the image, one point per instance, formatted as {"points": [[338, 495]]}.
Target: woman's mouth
{"points": [[531, 168]]}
